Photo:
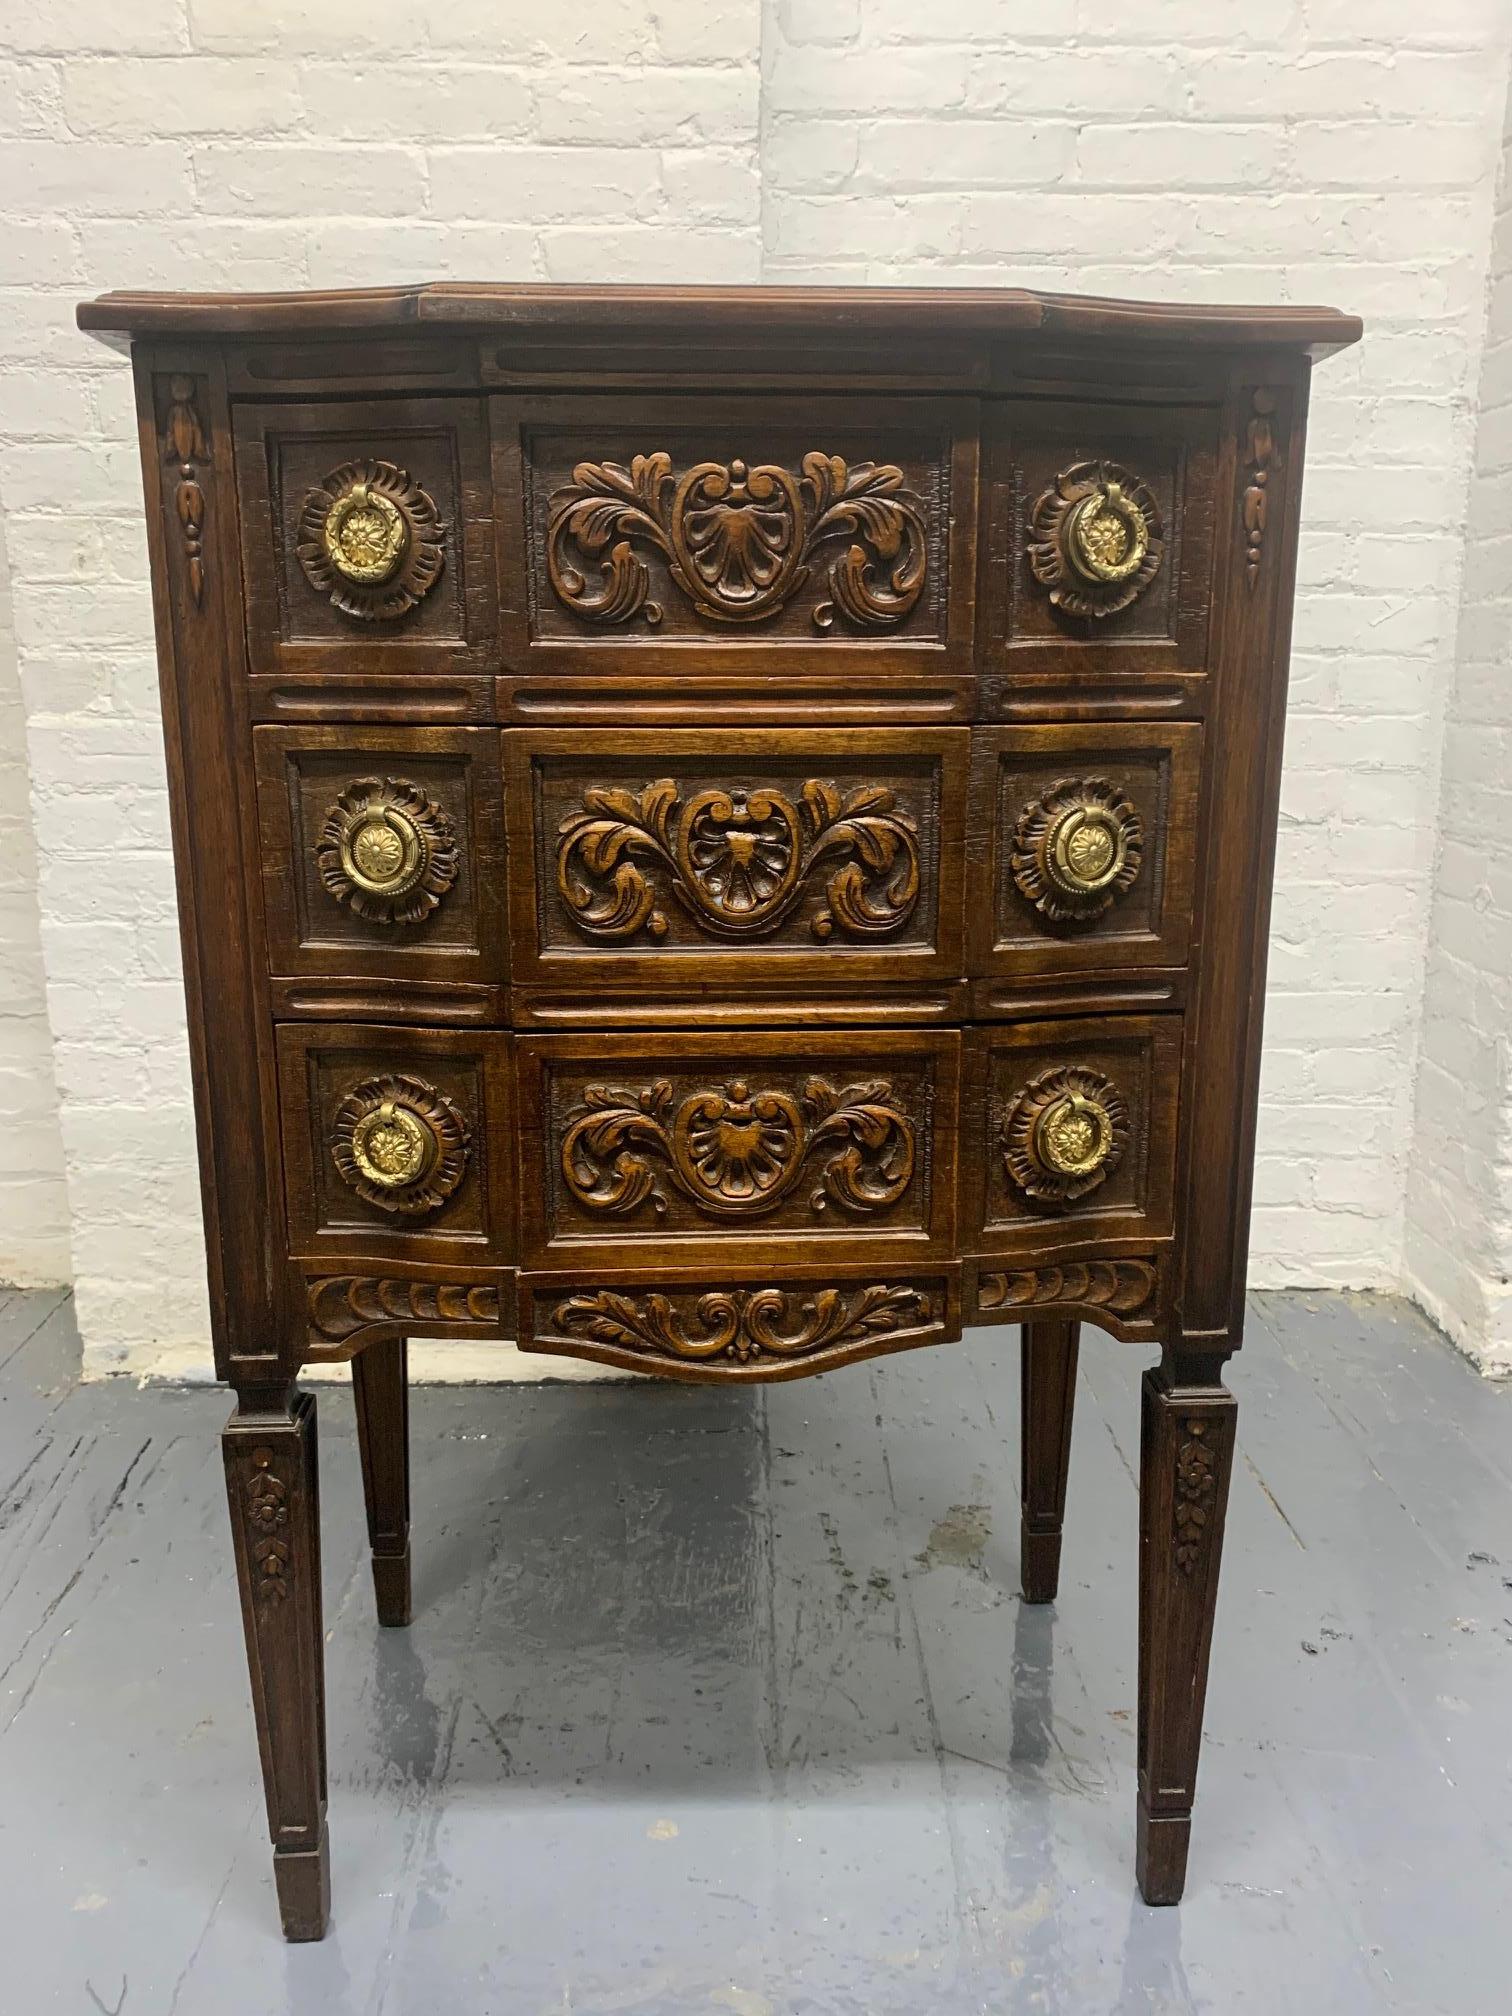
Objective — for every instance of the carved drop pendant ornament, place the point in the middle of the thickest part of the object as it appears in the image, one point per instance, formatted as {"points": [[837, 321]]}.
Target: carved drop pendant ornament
{"points": [[1078, 849], [387, 851], [401, 1144], [740, 542], [737, 1153], [372, 540], [1064, 1134], [740, 1323], [188, 452], [737, 859], [1095, 539]]}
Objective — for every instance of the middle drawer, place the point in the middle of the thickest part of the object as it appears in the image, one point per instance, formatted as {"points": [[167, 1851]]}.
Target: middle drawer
{"points": [[656, 859]]}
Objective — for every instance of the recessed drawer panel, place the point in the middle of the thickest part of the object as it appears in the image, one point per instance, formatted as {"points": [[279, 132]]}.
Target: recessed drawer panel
{"points": [[1093, 844], [1077, 1139], [397, 1142], [1098, 547], [367, 536], [382, 851], [648, 859], [737, 1147], [740, 537]]}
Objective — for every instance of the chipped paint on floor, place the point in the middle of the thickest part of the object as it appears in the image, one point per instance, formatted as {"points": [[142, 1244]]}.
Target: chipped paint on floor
{"points": [[725, 1702]]}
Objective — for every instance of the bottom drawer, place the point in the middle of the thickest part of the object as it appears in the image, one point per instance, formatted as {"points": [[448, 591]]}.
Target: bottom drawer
{"points": [[732, 1149], [1073, 1134]]}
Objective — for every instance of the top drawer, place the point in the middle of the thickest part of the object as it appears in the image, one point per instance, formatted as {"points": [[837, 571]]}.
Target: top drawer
{"points": [[727, 541], [367, 536]]}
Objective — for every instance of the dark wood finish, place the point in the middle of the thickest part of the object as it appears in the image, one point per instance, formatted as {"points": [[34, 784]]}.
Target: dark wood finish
{"points": [[655, 861], [273, 1489], [283, 454], [380, 1388], [1027, 785], [755, 852], [1186, 1456], [1047, 1383], [448, 924]]}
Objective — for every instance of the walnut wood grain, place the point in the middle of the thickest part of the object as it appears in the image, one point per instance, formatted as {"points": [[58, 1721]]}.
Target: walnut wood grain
{"points": [[756, 851]]}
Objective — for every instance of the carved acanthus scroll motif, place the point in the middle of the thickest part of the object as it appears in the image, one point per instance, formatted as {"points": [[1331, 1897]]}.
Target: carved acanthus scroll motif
{"points": [[738, 859], [741, 1323], [737, 1153], [739, 541], [186, 448]]}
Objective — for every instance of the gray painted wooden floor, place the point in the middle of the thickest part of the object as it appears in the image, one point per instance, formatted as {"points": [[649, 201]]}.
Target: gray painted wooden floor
{"points": [[726, 1703]]}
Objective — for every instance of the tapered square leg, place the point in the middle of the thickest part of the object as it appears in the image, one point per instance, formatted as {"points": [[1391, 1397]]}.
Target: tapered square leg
{"points": [[273, 1488], [380, 1385], [1186, 1456], [1047, 1377]]}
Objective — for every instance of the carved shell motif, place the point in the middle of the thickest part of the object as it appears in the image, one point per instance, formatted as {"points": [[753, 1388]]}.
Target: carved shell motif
{"points": [[738, 859], [735, 1152], [738, 540], [372, 540], [1064, 1134], [387, 851], [1077, 849], [401, 1144], [1095, 539]]}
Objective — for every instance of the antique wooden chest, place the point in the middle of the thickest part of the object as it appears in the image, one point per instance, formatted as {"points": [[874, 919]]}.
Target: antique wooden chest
{"points": [[724, 832]]}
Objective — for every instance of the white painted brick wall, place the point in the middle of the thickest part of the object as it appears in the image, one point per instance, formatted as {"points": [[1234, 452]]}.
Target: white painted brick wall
{"points": [[1459, 1202], [277, 144], [1311, 150]]}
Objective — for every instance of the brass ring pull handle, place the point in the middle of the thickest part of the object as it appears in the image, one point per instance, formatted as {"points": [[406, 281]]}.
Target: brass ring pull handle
{"points": [[372, 540], [1095, 539], [1077, 849], [1064, 1134], [387, 851], [1106, 536], [400, 1144], [365, 535]]}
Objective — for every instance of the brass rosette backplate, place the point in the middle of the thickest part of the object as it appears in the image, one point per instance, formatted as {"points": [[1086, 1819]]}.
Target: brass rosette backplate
{"points": [[372, 540], [387, 851], [1095, 539], [1077, 849], [1064, 1134], [400, 1144]]}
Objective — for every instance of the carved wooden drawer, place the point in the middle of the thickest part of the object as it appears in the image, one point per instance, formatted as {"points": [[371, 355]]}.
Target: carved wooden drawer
{"points": [[367, 539], [382, 853], [1076, 1133], [756, 1326], [740, 1148], [736, 543], [666, 858], [397, 1143], [1098, 548], [1093, 846]]}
